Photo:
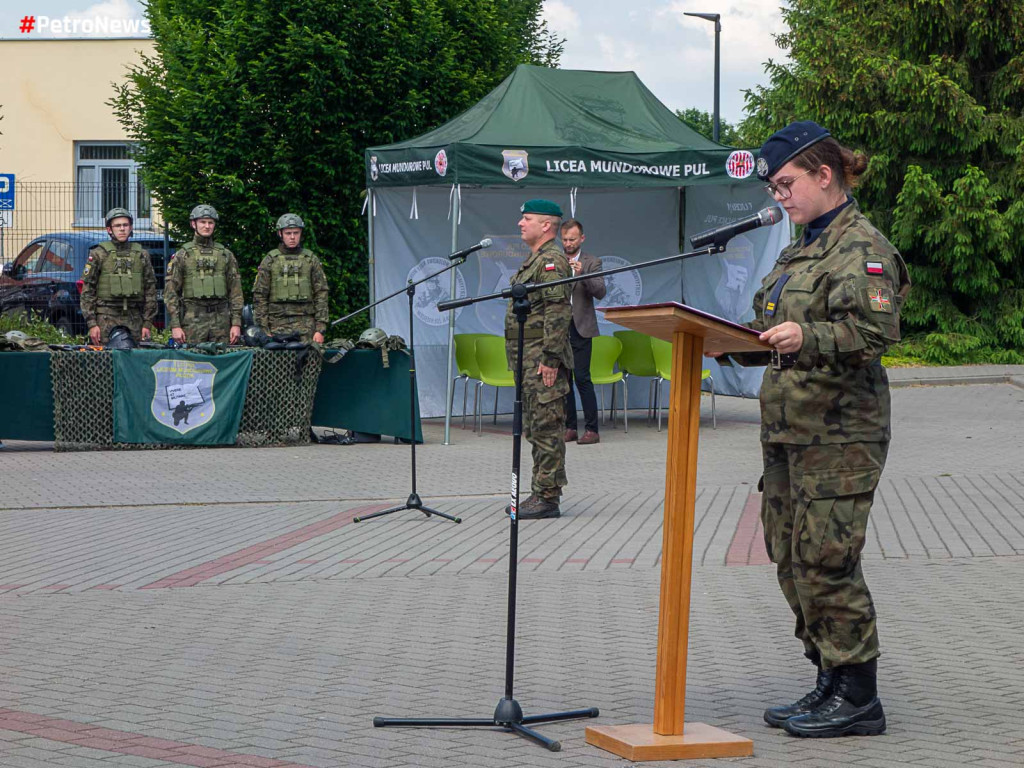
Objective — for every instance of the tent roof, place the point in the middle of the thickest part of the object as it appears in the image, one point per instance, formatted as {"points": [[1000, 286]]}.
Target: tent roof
{"points": [[558, 127], [544, 107]]}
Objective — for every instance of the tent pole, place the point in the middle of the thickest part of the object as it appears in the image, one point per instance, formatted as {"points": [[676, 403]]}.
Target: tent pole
{"points": [[456, 212], [370, 205]]}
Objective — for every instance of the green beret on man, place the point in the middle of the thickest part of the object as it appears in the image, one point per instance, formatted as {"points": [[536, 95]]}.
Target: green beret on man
{"points": [[543, 207]]}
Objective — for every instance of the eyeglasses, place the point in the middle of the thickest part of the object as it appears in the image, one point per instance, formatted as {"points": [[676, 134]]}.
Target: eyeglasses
{"points": [[781, 188]]}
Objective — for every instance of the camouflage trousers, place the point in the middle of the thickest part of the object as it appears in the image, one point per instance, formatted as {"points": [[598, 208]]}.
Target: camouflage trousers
{"points": [[544, 428], [815, 508], [280, 325], [108, 318], [201, 324]]}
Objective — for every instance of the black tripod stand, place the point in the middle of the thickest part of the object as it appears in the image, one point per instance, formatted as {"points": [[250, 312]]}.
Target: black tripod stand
{"points": [[414, 501], [508, 714]]}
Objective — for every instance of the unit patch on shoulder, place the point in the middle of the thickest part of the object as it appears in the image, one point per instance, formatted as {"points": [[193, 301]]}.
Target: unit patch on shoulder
{"points": [[880, 301], [874, 268], [88, 268]]}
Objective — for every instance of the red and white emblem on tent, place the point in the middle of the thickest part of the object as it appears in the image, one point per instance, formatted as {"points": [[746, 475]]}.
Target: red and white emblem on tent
{"points": [[740, 164], [441, 163], [516, 164]]}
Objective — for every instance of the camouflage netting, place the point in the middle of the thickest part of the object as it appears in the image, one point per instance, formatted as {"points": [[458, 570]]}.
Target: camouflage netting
{"points": [[278, 404]]}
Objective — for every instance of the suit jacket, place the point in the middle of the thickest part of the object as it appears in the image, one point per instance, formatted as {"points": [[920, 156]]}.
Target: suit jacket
{"points": [[583, 294]]}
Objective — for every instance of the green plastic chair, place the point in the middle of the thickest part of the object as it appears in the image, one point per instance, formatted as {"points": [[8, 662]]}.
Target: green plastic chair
{"points": [[662, 351], [465, 363], [636, 359], [603, 356], [494, 371]]}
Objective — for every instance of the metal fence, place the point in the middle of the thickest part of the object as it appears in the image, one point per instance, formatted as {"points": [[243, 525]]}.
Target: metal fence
{"points": [[43, 207]]}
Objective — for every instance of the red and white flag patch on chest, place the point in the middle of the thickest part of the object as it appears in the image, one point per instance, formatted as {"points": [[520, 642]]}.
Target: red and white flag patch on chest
{"points": [[549, 267]]}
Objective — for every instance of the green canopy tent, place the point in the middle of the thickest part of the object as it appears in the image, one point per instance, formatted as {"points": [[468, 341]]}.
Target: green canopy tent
{"points": [[602, 146]]}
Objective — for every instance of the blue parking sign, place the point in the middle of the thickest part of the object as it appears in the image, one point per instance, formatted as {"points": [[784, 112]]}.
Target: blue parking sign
{"points": [[6, 191]]}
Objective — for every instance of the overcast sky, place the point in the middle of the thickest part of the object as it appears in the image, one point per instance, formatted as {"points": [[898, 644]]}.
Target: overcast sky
{"points": [[673, 54]]}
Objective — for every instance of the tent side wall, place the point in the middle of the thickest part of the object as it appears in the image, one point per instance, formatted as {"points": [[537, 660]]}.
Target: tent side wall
{"points": [[623, 226]]}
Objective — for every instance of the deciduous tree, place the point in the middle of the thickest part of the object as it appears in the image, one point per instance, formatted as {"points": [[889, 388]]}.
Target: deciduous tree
{"points": [[261, 108], [933, 92]]}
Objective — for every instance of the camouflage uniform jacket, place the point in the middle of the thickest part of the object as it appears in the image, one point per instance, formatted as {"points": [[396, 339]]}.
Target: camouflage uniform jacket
{"points": [[845, 290], [177, 273], [546, 329], [100, 259], [263, 307]]}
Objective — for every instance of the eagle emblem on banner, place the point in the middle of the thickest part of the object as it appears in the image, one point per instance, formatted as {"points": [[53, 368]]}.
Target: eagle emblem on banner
{"points": [[183, 394], [516, 164]]}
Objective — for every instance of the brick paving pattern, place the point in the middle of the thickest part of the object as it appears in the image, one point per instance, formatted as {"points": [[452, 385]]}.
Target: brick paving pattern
{"points": [[219, 607]]}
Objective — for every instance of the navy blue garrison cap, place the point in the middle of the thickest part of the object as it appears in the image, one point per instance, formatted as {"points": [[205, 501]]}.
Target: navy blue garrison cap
{"points": [[782, 146]]}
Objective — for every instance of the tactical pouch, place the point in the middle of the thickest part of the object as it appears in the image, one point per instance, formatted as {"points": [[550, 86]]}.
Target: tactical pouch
{"points": [[290, 280], [125, 285]]}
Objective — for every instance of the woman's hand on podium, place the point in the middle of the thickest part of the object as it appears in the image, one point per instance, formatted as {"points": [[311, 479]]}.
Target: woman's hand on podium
{"points": [[786, 337]]}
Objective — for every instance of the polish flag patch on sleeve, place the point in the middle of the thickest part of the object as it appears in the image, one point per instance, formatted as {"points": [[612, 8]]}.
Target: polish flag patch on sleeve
{"points": [[549, 267], [874, 268]]}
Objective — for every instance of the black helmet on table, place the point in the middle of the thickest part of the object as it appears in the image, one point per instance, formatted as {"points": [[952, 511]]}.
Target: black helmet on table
{"points": [[120, 338], [254, 336]]}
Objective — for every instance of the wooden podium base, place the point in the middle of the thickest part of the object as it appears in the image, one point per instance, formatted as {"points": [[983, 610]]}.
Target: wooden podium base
{"points": [[640, 742]]}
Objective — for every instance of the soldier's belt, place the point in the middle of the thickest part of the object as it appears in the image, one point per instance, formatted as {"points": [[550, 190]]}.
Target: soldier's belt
{"points": [[218, 307], [783, 361], [528, 333]]}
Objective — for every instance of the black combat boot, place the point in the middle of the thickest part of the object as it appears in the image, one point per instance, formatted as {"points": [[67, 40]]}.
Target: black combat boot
{"points": [[853, 709], [776, 716]]}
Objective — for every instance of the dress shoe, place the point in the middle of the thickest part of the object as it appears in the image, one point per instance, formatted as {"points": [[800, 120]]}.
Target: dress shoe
{"points": [[537, 508], [776, 716], [589, 438], [571, 435], [853, 709]]}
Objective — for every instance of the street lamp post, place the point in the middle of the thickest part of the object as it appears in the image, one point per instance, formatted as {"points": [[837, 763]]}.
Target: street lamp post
{"points": [[717, 18]]}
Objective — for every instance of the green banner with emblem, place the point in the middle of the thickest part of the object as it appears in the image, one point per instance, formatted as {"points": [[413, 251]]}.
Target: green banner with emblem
{"points": [[179, 398]]}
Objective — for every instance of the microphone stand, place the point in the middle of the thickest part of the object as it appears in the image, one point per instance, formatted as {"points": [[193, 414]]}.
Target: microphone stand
{"points": [[414, 501], [509, 714]]}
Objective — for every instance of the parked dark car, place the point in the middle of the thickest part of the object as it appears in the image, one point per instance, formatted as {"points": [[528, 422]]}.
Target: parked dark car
{"points": [[45, 279]]}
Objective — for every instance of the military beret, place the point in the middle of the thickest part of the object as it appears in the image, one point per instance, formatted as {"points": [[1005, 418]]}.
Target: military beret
{"points": [[782, 146], [545, 207]]}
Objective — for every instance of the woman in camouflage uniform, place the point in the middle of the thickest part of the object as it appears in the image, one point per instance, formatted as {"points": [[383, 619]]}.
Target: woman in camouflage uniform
{"points": [[829, 308]]}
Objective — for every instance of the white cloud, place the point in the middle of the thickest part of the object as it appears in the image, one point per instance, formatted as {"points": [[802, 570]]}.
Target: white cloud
{"points": [[562, 18], [674, 54]]}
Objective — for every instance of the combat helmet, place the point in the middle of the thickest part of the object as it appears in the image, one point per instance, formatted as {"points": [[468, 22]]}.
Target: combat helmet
{"points": [[289, 220], [120, 338], [117, 213], [372, 338], [204, 211]]}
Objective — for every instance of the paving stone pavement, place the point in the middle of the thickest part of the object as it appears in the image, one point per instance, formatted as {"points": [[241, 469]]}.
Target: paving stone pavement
{"points": [[220, 607]]}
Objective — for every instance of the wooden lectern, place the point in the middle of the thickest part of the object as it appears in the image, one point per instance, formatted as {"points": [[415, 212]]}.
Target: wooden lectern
{"points": [[692, 333]]}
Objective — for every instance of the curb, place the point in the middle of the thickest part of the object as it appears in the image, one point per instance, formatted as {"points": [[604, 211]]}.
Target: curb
{"points": [[950, 381]]}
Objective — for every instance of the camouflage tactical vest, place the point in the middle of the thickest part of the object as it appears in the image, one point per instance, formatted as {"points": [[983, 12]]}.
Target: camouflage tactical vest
{"points": [[289, 276], [205, 272], [121, 275]]}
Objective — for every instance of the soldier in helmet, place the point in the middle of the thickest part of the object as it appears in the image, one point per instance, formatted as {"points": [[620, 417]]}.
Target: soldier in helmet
{"points": [[203, 289], [118, 283], [290, 294]]}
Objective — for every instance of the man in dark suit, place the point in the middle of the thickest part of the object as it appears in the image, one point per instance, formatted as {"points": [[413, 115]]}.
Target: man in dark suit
{"points": [[582, 329]]}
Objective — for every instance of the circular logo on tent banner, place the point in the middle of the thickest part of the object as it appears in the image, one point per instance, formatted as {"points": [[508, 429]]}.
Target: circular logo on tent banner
{"points": [[424, 304], [623, 289], [441, 163], [740, 164]]}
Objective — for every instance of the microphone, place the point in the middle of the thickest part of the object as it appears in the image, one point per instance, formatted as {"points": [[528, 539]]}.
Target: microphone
{"points": [[485, 243], [721, 235]]}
